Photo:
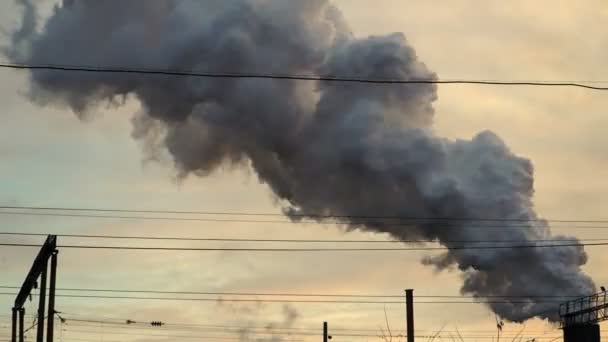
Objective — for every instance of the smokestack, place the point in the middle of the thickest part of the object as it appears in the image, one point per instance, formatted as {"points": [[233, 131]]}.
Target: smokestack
{"points": [[323, 147]]}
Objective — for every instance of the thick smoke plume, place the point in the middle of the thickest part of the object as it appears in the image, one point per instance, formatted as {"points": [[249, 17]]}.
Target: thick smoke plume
{"points": [[324, 147]]}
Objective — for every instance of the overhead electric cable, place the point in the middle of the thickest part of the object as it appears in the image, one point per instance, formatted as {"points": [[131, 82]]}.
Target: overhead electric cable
{"points": [[299, 215], [253, 328], [436, 225], [318, 78], [226, 249], [254, 333], [121, 321], [222, 299], [167, 238], [288, 294]]}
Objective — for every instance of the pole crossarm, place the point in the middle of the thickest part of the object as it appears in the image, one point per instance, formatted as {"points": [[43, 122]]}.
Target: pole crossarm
{"points": [[40, 263], [39, 269], [584, 311]]}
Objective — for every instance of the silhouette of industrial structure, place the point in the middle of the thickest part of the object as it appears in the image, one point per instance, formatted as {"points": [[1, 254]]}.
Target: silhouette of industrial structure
{"points": [[39, 270], [580, 317]]}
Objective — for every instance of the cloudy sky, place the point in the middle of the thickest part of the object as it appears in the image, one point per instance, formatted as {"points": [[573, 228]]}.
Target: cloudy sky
{"points": [[49, 157]]}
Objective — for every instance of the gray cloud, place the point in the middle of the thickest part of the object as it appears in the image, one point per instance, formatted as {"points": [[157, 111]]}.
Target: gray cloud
{"points": [[331, 148]]}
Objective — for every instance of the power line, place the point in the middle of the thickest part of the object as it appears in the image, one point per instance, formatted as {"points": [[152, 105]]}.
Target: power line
{"points": [[199, 336], [226, 249], [325, 78], [155, 335], [148, 217], [288, 294], [34, 324], [291, 333], [123, 323], [298, 215], [184, 336], [208, 327], [160, 238], [255, 333], [196, 219], [116, 322], [221, 299], [411, 225], [210, 337], [254, 329]]}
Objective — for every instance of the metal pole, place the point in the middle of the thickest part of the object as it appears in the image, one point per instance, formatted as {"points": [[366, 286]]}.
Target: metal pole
{"points": [[14, 326], [41, 305], [21, 325], [40, 263], [50, 325], [409, 304], [324, 331]]}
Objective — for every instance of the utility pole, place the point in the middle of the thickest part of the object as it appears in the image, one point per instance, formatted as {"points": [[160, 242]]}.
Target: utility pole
{"points": [[51, 315], [41, 304], [14, 326], [21, 325], [326, 336], [409, 311]]}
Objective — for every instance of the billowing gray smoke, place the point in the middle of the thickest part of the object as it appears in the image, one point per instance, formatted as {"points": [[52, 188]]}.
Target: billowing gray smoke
{"points": [[324, 147]]}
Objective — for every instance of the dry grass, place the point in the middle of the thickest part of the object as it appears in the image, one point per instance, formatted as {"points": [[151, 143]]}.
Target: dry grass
{"points": [[386, 334]]}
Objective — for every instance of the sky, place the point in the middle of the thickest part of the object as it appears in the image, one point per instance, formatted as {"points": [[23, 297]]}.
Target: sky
{"points": [[50, 157]]}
